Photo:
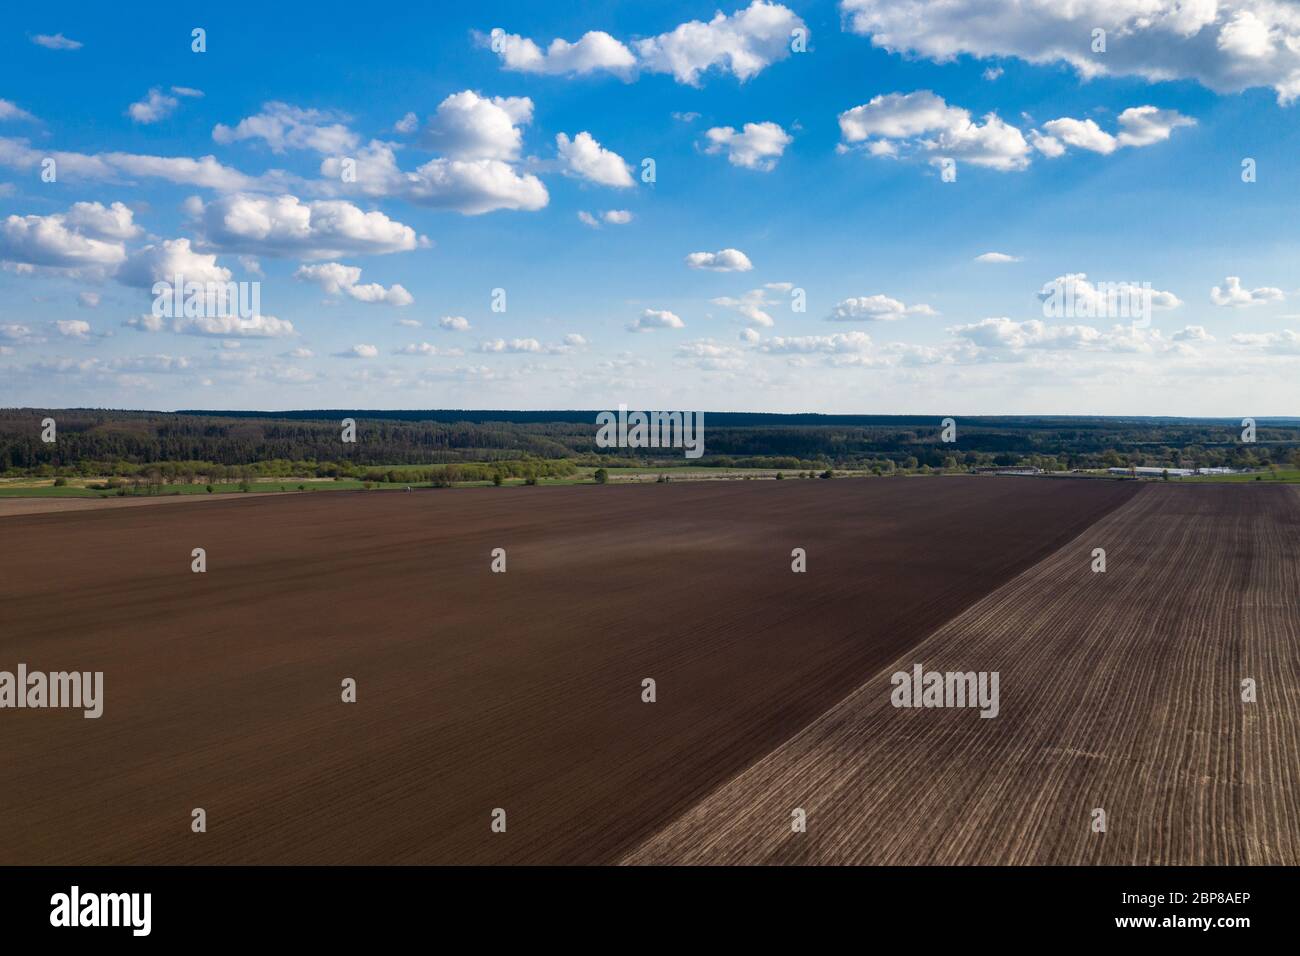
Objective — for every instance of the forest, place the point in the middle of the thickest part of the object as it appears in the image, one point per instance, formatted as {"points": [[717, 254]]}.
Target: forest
{"points": [[217, 444]]}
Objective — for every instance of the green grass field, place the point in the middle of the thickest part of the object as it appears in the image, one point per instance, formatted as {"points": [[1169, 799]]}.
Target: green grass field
{"points": [[1285, 475]]}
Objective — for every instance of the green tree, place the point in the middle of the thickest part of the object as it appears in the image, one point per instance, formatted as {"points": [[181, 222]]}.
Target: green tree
{"points": [[601, 476]]}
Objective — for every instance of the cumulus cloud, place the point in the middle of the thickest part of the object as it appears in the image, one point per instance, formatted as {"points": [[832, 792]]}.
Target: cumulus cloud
{"points": [[1075, 295], [725, 260], [1138, 126], [115, 221], [454, 323], [651, 319], [585, 158], [595, 51], [996, 257], [468, 126], [72, 328], [530, 346], [163, 261], [286, 226], [359, 352], [1232, 295], [875, 308], [743, 43], [1227, 46], [757, 146], [283, 127], [88, 300], [613, 217], [338, 279], [407, 124], [470, 187], [158, 105], [218, 326], [71, 242], [923, 122]]}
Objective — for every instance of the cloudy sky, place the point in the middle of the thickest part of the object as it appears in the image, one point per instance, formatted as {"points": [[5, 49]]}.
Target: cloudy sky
{"points": [[810, 206]]}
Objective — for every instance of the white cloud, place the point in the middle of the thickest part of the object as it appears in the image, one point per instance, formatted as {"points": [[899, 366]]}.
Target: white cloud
{"points": [[651, 319], [156, 106], [759, 146], [11, 111], [467, 126], [407, 124], [594, 51], [996, 257], [454, 323], [1139, 126], [1227, 46], [470, 187], [1085, 134], [992, 73], [53, 242], [922, 121], [56, 41], [287, 226], [425, 348], [283, 127], [752, 306], [72, 328], [1285, 342], [88, 300], [115, 221], [514, 346], [875, 308], [300, 353], [744, 43], [839, 343], [1004, 334], [359, 352], [725, 260], [587, 159], [613, 217], [1232, 295], [219, 326], [338, 279], [204, 172], [163, 261]]}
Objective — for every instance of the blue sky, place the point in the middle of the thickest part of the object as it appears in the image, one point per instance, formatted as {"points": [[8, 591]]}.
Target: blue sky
{"points": [[781, 175]]}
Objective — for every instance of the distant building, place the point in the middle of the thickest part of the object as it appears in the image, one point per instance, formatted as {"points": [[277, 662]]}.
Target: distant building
{"points": [[1143, 471]]}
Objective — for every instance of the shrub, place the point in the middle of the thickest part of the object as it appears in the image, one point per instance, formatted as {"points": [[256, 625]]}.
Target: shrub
{"points": [[60, 482], [601, 476], [209, 487]]}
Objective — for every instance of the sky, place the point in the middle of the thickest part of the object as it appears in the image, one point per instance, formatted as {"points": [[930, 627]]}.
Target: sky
{"points": [[870, 206]]}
